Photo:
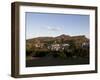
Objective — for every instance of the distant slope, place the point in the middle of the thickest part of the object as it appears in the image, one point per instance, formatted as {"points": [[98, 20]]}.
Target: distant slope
{"points": [[80, 38]]}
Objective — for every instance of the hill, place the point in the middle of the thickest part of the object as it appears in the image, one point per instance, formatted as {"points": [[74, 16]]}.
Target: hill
{"points": [[59, 39]]}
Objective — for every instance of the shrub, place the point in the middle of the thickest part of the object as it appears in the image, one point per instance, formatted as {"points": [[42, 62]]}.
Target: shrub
{"points": [[69, 54], [62, 55], [55, 55], [40, 53], [81, 52]]}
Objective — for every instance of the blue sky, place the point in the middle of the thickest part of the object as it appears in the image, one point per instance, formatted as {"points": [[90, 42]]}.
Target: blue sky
{"points": [[45, 24]]}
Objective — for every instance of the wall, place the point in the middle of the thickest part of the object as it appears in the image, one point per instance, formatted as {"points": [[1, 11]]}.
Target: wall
{"points": [[5, 40]]}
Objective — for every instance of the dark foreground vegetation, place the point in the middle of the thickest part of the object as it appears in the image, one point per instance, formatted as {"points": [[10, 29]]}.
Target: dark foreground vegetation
{"points": [[50, 61], [52, 58]]}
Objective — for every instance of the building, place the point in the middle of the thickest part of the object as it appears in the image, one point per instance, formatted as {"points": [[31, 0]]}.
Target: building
{"points": [[57, 47], [39, 44], [65, 46], [85, 45]]}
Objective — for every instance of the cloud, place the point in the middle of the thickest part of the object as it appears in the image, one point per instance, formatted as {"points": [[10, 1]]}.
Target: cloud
{"points": [[53, 28]]}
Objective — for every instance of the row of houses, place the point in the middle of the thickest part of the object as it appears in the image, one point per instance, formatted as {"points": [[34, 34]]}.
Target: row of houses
{"points": [[56, 47]]}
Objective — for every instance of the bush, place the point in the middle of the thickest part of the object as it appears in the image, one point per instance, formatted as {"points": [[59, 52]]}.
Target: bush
{"points": [[39, 53], [62, 55], [81, 52], [55, 55], [84, 53], [28, 53], [58, 54], [69, 54]]}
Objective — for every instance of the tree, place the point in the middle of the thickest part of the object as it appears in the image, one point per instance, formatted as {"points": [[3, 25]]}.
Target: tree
{"points": [[72, 45]]}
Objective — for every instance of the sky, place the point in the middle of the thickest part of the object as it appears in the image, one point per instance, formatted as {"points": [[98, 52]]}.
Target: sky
{"points": [[52, 25]]}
